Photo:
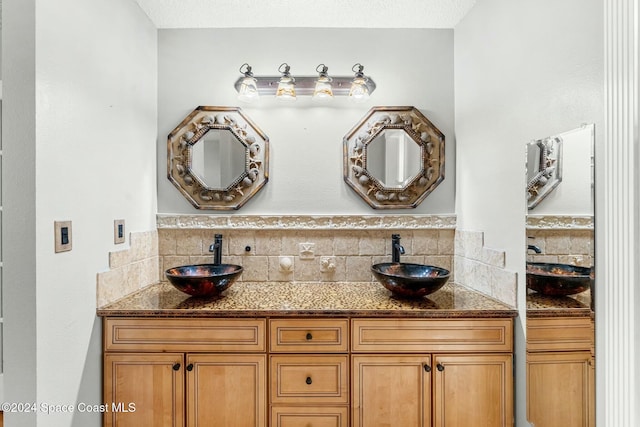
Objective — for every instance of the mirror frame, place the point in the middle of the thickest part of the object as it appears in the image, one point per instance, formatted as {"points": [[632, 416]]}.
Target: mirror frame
{"points": [[549, 172], [180, 157], [418, 128]]}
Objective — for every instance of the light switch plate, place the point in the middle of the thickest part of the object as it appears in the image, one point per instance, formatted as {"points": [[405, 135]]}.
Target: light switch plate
{"points": [[62, 236], [118, 231]]}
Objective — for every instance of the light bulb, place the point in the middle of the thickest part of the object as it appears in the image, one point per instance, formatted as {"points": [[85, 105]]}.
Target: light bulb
{"points": [[286, 86], [359, 91], [248, 90], [323, 90]]}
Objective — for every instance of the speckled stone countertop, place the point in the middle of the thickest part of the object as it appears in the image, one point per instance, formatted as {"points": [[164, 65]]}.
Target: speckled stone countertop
{"points": [[311, 299], [539, 305]]}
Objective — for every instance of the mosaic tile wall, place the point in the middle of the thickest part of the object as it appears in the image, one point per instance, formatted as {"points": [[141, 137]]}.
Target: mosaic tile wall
{"points": [[130, 269], [483, 268]]}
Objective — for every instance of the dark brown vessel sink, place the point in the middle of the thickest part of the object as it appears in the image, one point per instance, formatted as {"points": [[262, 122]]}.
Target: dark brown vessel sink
{"points": [[410, 280], [203, 279], [558, 279]]}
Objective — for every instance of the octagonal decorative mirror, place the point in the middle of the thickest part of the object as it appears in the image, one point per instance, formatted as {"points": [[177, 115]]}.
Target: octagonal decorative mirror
{"points": [[218, 158], [544, 168], [394, 157]]}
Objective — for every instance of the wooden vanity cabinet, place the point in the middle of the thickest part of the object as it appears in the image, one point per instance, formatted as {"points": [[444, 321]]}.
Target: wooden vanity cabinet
{"points": [[308, 372], [422, 373], [185, 372], [560, 372]]}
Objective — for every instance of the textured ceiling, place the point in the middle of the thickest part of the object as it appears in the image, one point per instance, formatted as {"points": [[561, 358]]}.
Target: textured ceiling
{"points": [[306, 13]]}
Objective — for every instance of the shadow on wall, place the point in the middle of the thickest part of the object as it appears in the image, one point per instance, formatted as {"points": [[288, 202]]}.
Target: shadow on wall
{"points": [[90, 390]]}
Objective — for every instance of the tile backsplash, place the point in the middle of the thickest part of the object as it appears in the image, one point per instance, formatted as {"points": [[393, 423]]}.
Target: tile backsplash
{"points": [[483, 268], [130, 269], [306, 249], [562, 239]]}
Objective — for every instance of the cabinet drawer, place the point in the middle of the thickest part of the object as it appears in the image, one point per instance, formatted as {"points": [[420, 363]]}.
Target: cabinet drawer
{"points": [[309, 379], [560, 334], [301, 416], [434, 335], [309, 336], [185, 335]]}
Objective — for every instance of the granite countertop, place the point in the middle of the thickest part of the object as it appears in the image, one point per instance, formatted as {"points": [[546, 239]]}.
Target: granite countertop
{"points": [[315, 299], [539, 305]]}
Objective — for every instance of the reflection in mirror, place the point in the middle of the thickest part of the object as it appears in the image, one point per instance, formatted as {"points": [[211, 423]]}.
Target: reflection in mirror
{"points": [[394, 158], [217, 157], [560, 259], [560, 228], [544, 168]]}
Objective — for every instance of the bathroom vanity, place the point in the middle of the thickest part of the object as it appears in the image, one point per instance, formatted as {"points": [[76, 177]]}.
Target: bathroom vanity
{"points": [[308, 354], [560, 361]]}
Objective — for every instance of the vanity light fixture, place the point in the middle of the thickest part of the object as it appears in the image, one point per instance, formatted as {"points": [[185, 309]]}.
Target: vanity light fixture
{"points": [[287, 85], [359, 91], [323, 90], [248, 90], [321, 86]]}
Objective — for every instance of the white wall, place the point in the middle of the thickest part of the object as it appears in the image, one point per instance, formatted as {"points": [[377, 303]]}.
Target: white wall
{"points": [[81, 128], [524, 70], [410, 67]]}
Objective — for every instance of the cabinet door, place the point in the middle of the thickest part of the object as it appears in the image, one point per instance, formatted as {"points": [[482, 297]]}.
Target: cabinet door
{"points": [[391, 390], [226, 390], [560, 389], [473, 390], [143, 390]]}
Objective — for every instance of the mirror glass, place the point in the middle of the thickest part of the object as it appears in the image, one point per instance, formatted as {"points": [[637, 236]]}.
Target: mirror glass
{"points": [[560, 277], [544, 168], [393, 157], [560, 233], [218, 158]]}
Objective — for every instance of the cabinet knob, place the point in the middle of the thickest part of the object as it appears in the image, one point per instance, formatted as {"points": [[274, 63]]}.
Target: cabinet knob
{"points": [[309, 380], [176, 367], [309, 336], [190, 367], [427, 368], [440, 367]]}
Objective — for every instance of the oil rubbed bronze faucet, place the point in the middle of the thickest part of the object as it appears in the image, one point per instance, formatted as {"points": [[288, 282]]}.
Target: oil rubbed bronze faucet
{"points": [[396, 248], [534, 248], [216, 248]]}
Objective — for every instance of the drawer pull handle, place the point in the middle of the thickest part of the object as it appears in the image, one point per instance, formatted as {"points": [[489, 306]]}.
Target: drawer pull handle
{"points": [[440, 367], [176, 367], [309, 336], [427, 368], [309, 380], [190, 367]]}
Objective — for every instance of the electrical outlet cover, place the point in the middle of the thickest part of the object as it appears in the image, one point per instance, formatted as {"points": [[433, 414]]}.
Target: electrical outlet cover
{"points": [[62, 236], [118, 231]]}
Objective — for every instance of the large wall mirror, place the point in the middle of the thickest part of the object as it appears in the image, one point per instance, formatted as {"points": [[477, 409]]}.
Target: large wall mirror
{"points": [[393, 158], [218, 158], [560, 204], [560, 279]]}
